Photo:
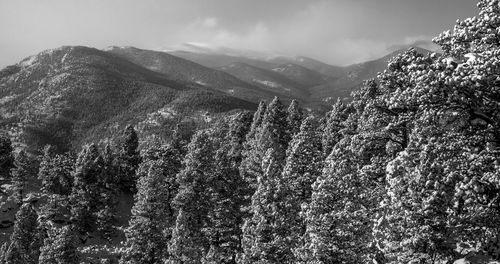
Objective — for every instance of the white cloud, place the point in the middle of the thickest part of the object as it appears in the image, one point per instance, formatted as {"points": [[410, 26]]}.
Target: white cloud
{"points": [[209, 22]]}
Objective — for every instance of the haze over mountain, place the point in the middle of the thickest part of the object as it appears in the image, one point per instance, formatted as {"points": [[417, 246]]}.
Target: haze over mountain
{"points": [[339, 32]]}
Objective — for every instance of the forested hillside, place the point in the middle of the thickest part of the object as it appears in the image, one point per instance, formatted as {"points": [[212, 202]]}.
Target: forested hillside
{"points": [[408, 171]]}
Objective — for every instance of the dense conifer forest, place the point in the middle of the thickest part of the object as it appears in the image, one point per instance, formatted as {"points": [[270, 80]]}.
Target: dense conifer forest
{"points": [[408, 171]]}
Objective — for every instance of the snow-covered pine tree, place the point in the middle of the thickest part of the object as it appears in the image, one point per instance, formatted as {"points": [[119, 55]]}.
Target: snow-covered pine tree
{"points": [[25, 241], [294, 118], [303, 165], [152, 219], [263, 238], [338, 217], [22, 172], [60, 247], [188, 243], [227, 194], [272, 133], [55, 172], [250, 165], [333, 126], [239, 128], [85, 195], [257, 121], [443, 188], [6, 156], [225, 188], [128, 158]]}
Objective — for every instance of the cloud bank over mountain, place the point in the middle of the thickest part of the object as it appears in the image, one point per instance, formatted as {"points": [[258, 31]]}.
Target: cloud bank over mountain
{"points": [[339, 31]]}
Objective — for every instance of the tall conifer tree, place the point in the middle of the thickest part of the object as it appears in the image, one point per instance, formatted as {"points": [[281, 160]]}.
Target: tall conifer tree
{"points": [[188, 243], [153, 217], [25, 241]]}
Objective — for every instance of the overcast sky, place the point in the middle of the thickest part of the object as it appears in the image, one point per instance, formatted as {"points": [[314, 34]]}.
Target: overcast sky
{"points": [[335, 31]]}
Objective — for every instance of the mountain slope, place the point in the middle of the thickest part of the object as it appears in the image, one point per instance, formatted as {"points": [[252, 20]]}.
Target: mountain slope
{"points": [[311, 64], [352, 78], [319, 83], [302, 75], [217, 60], [71, 95], [267, 79], [177, 68]]}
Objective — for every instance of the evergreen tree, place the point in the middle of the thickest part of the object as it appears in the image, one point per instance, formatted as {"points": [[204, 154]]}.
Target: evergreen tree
{"points": [[188, 243], [442, 187], [262, 240], [226, 197], [251, 156], [294, 118], [177, 141], [6, 158], [272, 133], [338, 217], [109, 191], [257, 121], [239, 127], [22, 172], [24, 241], [129, 158], [153, 216], [85, 193], [304, 161], [303, 166], [333, 126], [55, 172], [438, 186], [59, 247]]}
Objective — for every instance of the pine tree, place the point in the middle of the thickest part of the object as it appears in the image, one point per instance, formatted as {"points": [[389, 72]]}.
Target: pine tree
{"points": [[177, 141], [304, 161], [338, 216], [257, 120], [6, 158], [272, 133], [24, 241], [303, 166], [129, 158], [239, 128], [251, 157], [60, 247], [85, 193], [109, 191], [22, 172], [188, 243], [227, 190], [294, 118], [153, 217], [55, 172], [225, 217], [441, 187], [333, 126], [262, 241]]}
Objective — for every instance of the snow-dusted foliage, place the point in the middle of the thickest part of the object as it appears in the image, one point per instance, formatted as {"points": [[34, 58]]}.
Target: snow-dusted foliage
{"points": [[406, 172]]}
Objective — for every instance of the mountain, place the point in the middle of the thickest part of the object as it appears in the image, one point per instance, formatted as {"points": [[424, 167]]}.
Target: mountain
{"points": [[267, 79], [76, 94], [71, 95], [217, 60], [302, 75], [317, 84], [351, 78], [176, 68], [311, 64]]}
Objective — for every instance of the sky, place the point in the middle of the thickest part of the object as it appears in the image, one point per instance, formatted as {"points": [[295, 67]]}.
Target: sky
{"points": [[338, 32]]}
